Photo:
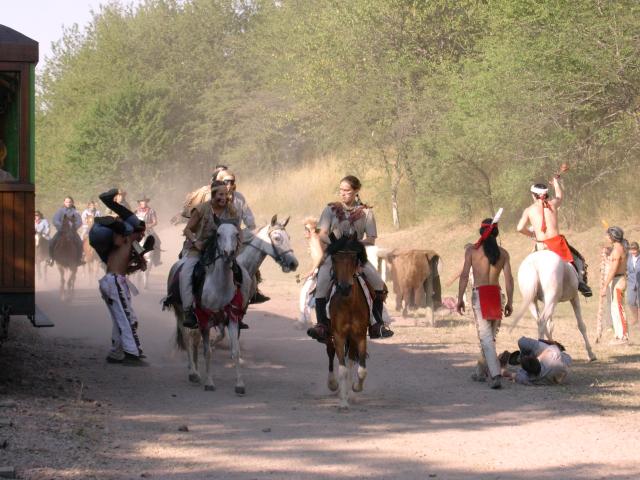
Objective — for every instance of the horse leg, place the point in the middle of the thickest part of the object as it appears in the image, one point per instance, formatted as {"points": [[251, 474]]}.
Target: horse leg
{"points": [[234, 339], [206, 347], [362, 364], [575, 303], [332, 383], [191, 340], [61, 270], [343, 372]]}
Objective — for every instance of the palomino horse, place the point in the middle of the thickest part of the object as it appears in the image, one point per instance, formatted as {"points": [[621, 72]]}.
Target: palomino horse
{"points": [[42, 255], [544, 276], [349, 312], [272, 241], [90, 256], [65, 255]]}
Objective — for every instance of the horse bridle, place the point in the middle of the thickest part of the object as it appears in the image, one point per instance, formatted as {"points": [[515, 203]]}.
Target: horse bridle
{"points": [[278, 256]]}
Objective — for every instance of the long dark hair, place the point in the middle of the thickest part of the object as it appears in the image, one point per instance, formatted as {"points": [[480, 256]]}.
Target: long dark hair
{"points": [[490, 245]]}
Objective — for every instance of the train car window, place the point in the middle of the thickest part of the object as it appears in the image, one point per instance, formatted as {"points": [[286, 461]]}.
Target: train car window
{"points": [[9, 126]]}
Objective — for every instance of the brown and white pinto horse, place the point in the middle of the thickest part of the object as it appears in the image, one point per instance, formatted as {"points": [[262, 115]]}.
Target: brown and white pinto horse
{"points": [[350, 313], [65, 255]]}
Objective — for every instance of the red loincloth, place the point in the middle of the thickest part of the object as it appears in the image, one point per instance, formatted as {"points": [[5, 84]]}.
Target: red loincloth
{"points": [[559, 246], [490, 301]]}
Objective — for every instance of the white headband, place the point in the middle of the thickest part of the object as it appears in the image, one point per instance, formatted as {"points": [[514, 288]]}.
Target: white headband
{"points": [[539, 191]]}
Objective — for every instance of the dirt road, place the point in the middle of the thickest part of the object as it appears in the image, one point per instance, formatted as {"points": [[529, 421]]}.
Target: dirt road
{"points": [[75, 417]]}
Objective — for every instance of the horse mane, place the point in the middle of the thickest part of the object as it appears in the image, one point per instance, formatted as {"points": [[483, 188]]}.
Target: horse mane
{"points": [[209, 250], [347, 244]]}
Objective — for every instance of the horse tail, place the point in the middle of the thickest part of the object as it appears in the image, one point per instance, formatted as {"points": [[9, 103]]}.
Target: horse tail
{"points": [[528, 290]]}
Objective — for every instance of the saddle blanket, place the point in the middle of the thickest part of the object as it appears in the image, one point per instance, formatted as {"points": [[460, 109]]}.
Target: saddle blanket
{"points": [[367, 293]]}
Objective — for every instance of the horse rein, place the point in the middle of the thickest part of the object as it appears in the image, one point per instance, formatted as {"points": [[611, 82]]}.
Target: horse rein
{"points": [[278, 256]]}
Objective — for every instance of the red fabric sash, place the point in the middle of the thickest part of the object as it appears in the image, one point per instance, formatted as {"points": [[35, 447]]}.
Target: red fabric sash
{"points": [[232, 312], [559, 246], [490, 302]]}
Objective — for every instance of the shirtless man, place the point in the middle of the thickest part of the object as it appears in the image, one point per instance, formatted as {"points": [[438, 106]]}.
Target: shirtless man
{"points": [[122, 260], [616, 283], [486, 263], [542, 215]]}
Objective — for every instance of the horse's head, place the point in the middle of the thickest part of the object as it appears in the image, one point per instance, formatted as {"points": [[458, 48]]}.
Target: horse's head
{"points": [[224, 244], [228, 239], [347, 254], [280, 249]]}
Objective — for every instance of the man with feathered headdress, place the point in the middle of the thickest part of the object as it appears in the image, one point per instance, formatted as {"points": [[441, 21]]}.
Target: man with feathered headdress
{"points": [[540, 222], [486, 263]]}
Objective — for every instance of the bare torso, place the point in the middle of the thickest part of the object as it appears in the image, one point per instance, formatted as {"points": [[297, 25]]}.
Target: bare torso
{"points": [[534, 214], [483, 272], [119, 258], [617, 252]]}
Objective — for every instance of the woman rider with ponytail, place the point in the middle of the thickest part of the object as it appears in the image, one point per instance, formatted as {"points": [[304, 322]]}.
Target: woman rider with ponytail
{"points": [[346, 217]]}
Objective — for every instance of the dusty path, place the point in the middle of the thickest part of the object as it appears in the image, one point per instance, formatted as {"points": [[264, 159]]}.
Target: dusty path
{"points": [[419, 417]]}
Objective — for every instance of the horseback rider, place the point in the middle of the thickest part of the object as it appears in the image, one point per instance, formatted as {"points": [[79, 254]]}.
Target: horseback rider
{"points": [[247, 218], [90, 211], [42, 225], [239, 202], [148, 215], [346, 217], [542, 216], [67, 212], [200, 228], [486, 263]]}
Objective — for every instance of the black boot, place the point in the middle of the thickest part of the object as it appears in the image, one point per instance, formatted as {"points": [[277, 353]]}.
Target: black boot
{"points": [[190, 320], [321, 331], [259, 297], [585, 289], [379, 329]]}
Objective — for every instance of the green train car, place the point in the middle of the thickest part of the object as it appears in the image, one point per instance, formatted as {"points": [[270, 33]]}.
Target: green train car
{"points": [[18, 59]]}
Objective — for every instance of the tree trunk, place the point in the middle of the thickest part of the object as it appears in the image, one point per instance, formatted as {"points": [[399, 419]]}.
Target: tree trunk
{"points": [[394, 207]]}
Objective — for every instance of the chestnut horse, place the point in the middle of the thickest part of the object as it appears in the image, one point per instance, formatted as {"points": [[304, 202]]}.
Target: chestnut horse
{"points": [[350, 313]]}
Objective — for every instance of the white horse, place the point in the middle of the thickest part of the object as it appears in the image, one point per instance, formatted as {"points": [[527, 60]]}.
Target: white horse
{"points": [[271, 240], [217, 292], [544, 276]]}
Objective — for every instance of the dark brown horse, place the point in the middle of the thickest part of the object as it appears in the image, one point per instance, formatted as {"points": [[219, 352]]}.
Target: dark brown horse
{"points": [[90, 256], [42, 255], [66, 255], [349, 311]]}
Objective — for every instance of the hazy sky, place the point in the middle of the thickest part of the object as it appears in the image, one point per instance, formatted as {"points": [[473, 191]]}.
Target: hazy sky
{"points": [[43, 20]]}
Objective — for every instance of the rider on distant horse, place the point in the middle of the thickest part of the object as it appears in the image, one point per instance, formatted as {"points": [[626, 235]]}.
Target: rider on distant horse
{"points": [[148, 215], [42, 225], [90, 211], [543, 217], [345, 218], [67, 212], [200, 228]]}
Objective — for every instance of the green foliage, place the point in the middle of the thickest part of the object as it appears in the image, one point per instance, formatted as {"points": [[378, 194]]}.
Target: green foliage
{"points": [[442, 105]]}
